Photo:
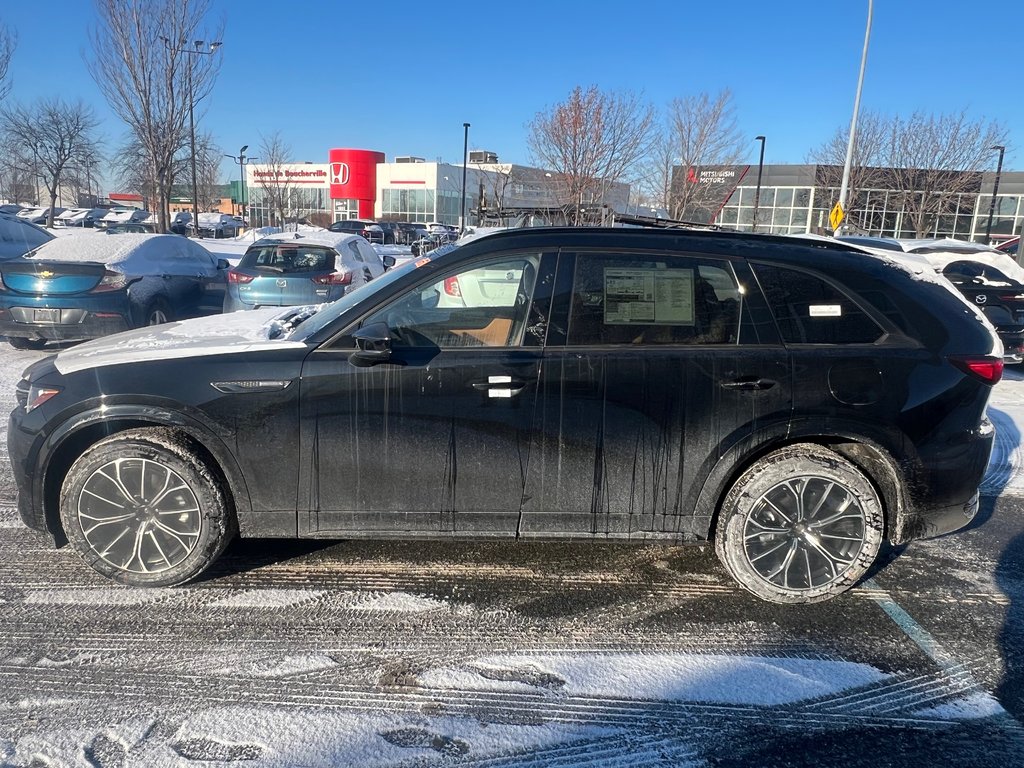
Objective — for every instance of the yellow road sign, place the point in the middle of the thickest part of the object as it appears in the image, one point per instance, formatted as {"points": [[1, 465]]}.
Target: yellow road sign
{"points": [[836, 216]]}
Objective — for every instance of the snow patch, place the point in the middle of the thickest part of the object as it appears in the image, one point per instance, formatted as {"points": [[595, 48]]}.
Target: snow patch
{"points": [[98, 596], [401, 602], [279, 667], [973, 707], [267, 598], [750, 680]]}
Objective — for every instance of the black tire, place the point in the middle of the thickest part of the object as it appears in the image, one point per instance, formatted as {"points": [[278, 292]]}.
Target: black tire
{"points": [[157, 312], [181, 505], [801, 525], [20, 342]]}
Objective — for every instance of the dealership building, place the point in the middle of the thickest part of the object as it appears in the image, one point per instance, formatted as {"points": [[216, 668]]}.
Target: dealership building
{"points": [[359, 183], [796, 199]]}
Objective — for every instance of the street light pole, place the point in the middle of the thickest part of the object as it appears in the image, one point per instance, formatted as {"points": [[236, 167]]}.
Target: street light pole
{"points": [[844, 186], [198, 51], [995, 191], [465, 159], [757, 191], [242, 161]]}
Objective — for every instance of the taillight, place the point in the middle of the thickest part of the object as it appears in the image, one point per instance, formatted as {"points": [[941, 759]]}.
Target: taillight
{"points": [[334, 278], [111, 281], [452, 287], [1011, 296], [239, 277], [988, 369]]}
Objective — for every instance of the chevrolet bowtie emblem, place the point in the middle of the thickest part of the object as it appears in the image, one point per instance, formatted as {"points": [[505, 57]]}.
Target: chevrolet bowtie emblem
{"points": [[46, 274]]}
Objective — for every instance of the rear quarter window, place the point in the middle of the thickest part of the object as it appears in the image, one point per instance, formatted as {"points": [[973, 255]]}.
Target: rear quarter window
{"points": [[810, 310]]}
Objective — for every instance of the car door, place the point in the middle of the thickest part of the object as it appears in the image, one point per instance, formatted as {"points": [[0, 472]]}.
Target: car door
{"points": [[436, 440], [653, 370]]}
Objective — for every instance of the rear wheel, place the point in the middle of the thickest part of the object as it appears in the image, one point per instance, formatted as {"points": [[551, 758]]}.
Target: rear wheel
{"points": [[801, 525], [157, 312], [20, 342], [143, 508]]}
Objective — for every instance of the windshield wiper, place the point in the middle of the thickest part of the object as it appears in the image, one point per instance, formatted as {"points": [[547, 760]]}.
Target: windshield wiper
{"points": [[282, 326]]}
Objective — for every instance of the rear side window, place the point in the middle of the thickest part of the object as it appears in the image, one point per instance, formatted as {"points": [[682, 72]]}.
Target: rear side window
{"points": [[810, 310], [289, 259], [647, 299]]}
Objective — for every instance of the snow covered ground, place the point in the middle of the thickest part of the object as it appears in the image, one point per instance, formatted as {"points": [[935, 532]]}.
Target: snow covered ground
{"points": [[422, 654]]}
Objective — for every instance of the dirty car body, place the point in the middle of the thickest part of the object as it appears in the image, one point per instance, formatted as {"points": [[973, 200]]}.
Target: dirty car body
{"points": [[799, 403]]}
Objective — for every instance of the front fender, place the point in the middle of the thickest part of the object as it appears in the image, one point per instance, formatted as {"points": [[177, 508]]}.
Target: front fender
{"points": [[58, 450]]}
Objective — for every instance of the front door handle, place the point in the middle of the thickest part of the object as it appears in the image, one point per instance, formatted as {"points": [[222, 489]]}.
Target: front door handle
{"points": [[500, 386], [749, 384]]}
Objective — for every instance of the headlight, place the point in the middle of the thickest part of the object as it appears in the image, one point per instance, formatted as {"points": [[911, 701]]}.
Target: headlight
{"points": [[38, 395]]}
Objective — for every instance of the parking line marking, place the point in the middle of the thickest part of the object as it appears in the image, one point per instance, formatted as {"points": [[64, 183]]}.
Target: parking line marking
{"points": [[923, 639]]}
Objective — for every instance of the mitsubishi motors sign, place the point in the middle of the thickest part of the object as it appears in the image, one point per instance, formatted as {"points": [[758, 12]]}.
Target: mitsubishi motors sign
{"points": [[715, 174]]}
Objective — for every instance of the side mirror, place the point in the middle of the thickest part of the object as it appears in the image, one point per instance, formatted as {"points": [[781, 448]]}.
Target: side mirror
{"points": [[223, 264], [389, 261], [373, 344]]}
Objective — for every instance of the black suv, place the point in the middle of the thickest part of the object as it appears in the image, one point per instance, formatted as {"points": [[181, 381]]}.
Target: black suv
{"points": [[797, 402], [370, 230]]}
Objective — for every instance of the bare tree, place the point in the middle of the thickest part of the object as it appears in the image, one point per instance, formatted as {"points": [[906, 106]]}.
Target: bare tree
{"points": [[700, 132], [57, 135], [933, 158], [866, 166], [143, 65], [274, 185], [8, 42], [208, 156], [590, 141]]}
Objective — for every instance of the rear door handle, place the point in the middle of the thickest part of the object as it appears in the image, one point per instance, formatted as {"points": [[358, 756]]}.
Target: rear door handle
{"points": [[749, 384]]}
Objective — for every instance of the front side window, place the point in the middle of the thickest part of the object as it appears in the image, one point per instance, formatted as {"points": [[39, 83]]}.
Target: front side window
{"points": [[646, 299], [483, 305], [810, 310]]}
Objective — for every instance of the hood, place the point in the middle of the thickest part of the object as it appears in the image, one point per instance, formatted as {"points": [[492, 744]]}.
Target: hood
{"points": [[233, 333]]}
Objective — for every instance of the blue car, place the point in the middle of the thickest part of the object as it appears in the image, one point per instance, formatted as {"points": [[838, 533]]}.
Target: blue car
{"points": [[288, 270], [82, 287]]}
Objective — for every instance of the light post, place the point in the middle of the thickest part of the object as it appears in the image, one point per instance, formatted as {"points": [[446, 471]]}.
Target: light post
{"points": [[465, 158], [243, 161], [198, 51], [845, 184], [757, 191], [995, 191]]}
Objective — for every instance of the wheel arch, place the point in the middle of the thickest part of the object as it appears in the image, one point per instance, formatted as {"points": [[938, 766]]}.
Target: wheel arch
{"points": [[869, 456], [75, 436]]}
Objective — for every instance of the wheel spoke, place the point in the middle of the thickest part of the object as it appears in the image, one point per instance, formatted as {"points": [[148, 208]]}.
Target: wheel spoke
{"points": [[176, 535], [110, 546], [774, 506], [159, 549], [784, 565], [103, 498], [821, 501], [834, 560], [117, 484], [776, 548]]}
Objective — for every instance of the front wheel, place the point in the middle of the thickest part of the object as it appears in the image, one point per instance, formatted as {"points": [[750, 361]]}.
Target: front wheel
{"points": [[144, 508], [801, 525]]}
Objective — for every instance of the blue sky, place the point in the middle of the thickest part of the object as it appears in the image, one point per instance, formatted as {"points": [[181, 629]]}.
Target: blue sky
{"points": [[402, 77]]}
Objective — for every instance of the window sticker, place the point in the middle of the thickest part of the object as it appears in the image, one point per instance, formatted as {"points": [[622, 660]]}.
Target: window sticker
{"points": [[422, 263], [825, 310], [633, 296]]}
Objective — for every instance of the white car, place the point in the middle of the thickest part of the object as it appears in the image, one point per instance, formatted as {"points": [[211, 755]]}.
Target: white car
{"points": [[117, 216], [79, 217]]}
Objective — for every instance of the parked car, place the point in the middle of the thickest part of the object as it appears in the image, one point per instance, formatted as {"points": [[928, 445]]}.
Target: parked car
{"points": [[75, 288], [118, 216], [283, 270], [797, 403], [409, 232], [369, 230], [989, 278], [80, 217], [39, 215], [218, 225], [1010, 246], [131, 228], [178, 223], [18, 237]]}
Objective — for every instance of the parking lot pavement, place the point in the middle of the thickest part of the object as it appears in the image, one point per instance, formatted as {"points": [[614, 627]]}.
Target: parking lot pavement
{"points": [[500, 654]]}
